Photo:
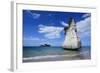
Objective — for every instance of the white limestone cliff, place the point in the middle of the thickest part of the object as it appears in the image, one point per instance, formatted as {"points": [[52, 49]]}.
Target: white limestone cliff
{"points": [[72, 41]]}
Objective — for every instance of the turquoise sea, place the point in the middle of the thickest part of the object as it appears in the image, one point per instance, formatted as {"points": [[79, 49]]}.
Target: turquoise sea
{"points": [[40, 54]]}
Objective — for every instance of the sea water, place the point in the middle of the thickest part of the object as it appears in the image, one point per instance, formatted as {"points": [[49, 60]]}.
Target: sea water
{"points": [[39, 54]]}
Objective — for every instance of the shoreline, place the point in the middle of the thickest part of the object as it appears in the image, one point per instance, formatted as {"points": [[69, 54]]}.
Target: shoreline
{"points": [[56, 58]]}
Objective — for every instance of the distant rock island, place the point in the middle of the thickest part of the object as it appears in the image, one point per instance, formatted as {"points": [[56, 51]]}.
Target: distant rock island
{"points": [[45, 45]]}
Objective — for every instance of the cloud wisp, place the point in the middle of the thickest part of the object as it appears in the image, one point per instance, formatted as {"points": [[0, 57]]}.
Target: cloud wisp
{"points": [[86, 15], [50, 32], [33, 14], [63, 23], [31, 38]]}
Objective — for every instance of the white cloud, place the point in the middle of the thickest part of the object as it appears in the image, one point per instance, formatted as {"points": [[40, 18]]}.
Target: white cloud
{"points": [[50, 32], [34, 15], [84, 27], [63, 23]]}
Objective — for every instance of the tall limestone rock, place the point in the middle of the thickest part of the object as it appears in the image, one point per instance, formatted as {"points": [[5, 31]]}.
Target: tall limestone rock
{"points": [[72, 41]]}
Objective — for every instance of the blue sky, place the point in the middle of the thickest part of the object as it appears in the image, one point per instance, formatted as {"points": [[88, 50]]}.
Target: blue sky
{"points": [[46, 27]]}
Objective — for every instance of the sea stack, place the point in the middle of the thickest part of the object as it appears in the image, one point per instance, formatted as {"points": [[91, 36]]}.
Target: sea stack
{"points": [[72, 41]]}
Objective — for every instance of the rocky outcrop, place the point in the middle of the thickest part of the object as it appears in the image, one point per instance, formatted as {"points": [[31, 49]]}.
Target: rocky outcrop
{"points": [[72, 41], [45, 45]]}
